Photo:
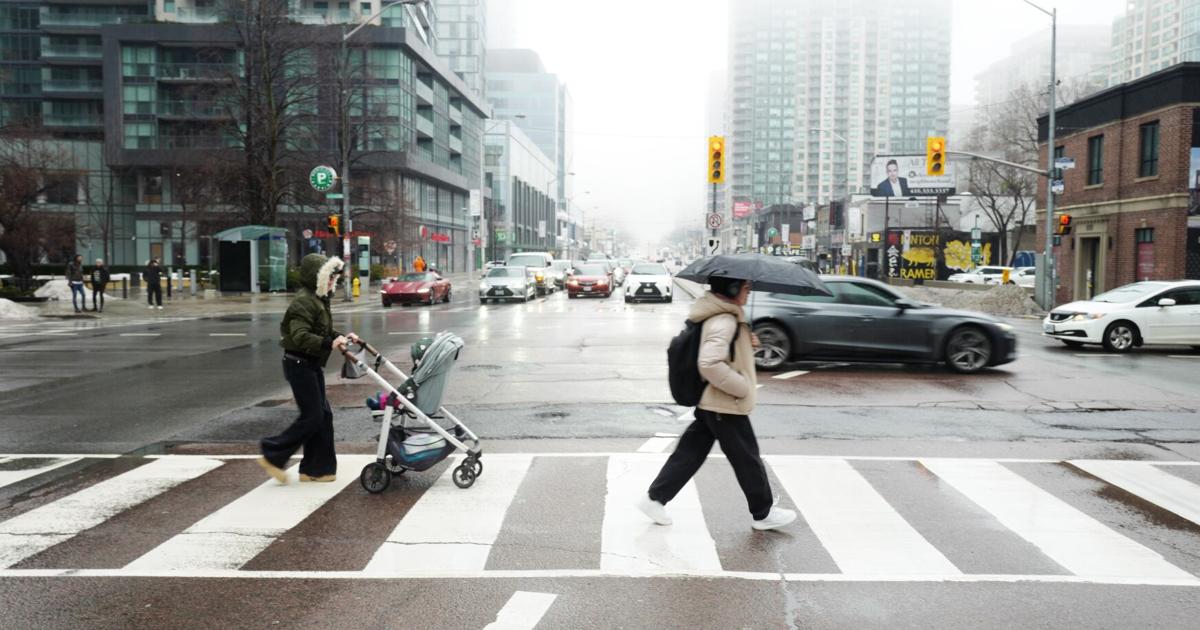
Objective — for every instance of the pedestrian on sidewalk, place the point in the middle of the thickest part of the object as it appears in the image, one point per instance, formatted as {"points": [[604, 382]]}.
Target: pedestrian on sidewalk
{"points": [[100, 278], [308, 337], [75, 281], [419, 264], [726, 363], [153, 277]]}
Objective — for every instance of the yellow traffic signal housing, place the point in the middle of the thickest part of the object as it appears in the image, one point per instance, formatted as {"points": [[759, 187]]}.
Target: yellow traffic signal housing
{"points": [[335, 224], [716, 159], [1064, 224], [935, 155]]}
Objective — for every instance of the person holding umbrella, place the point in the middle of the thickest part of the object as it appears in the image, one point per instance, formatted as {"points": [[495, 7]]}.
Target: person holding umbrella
{"points": [[726, 363]]}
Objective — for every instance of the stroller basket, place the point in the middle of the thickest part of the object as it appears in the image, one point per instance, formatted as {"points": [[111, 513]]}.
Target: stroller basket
{"points": [[411, 437]]}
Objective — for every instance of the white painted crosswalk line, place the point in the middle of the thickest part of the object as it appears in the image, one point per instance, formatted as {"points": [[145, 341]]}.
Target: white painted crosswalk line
{"points": [[659, 443], [523, 611], [786, 375], [234, 534], [861, 531], [9, 477], [1149, 482], [41, 528], [633, 544], [1079, 543], [451, 530]]}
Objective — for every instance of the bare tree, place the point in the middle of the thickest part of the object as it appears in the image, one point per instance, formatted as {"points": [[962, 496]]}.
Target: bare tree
{"points": [[27, 166]]}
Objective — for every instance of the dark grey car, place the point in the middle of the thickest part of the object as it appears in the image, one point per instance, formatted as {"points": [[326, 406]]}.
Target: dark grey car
{"points": [[868, 321]]}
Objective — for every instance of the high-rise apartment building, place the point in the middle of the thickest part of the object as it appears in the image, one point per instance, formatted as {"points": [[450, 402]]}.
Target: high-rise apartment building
{"points": [[140, 96], [1152, 35], [817, 90], [1082, 58], [462, 39]]}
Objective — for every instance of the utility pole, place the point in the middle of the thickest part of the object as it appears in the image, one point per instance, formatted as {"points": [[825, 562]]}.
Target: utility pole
{"points": [[1049, 281]]}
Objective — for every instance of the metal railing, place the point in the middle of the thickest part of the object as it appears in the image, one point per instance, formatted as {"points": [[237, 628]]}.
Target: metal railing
{"points": [[195, 109], [72, 50], [79, 120], [208, 71], [89, 19], [72, 85]]}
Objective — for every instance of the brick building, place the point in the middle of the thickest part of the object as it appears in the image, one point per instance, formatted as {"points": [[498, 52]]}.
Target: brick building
{"points": [[1132, 195]]}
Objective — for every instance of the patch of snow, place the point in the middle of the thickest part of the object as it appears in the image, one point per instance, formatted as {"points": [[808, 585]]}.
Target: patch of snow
{"points": [[11, 310]]}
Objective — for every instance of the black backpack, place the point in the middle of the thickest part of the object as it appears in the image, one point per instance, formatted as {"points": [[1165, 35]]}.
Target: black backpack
{"points": [[683, 364]]}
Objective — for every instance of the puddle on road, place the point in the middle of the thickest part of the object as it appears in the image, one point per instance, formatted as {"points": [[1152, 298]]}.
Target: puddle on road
{"points": [[1132, 503], [274, 402]]}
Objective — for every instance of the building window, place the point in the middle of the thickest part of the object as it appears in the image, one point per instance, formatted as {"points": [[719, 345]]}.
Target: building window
{"points": [[1144, 237], [1095, 160], [1149, 152]]}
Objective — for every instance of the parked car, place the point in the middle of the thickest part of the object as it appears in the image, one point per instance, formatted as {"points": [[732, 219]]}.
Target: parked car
{"points": [[590, 278], [648, 281], [868, 321], [1023, 277], [980, 275], [508, 283], [561, 267], [1138, 314], [540, 262], [411, 288]]}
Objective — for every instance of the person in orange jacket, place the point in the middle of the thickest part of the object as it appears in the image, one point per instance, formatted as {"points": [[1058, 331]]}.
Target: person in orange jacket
{"points": [[419, 264]]}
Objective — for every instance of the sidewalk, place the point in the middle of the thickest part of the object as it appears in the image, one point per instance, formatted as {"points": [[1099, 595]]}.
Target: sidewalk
{"points": [[214, 304]]}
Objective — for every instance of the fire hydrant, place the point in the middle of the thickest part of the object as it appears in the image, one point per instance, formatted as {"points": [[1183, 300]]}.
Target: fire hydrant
{"points": [[354, 285]]}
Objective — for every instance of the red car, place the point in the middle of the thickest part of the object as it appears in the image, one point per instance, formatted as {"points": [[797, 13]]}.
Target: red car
{"points": [[411, 288], [589, 279]]}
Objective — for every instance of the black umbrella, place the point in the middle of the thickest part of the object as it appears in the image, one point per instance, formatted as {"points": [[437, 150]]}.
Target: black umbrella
{"points": [[765, 273]]}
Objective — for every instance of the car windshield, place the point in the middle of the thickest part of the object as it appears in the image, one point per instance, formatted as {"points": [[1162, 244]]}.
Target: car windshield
{"points": [[591, 270], [649, 270], [1130, 292], [507, 272], [415, 277], [527, 261]]}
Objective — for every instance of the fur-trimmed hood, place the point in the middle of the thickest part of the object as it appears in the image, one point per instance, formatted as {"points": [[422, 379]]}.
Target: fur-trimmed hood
{"points": [[315, 272]]}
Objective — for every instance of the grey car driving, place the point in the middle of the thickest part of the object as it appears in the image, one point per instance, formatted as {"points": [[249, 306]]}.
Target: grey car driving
{"points": [[868, 321]]}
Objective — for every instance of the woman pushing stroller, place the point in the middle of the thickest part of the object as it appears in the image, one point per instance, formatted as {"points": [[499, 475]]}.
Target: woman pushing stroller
{"points": [[308, 336]]}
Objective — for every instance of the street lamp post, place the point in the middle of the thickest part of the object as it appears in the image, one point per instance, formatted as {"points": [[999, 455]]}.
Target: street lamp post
{"points": [[344, 123], [490, 251], [1049, 281]]}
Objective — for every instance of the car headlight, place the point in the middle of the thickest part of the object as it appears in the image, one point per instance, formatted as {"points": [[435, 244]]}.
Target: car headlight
{"points": [[1083, 317], [422, 290], [483, 286]]}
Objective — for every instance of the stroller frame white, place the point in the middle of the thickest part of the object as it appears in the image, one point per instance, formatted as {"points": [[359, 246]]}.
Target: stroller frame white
{"points": [[376, 476]]}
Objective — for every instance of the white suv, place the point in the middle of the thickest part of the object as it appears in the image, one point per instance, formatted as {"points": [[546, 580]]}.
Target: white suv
{"points": [[981, 275]]}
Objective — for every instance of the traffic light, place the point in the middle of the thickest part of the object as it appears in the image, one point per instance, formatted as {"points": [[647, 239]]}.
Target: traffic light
{"points": [[1064, 224], [335, 224], [716, 160], [935, 155]]}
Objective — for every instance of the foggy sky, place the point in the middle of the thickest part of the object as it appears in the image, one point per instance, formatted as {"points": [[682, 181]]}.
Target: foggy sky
{"points": [[639, 76]]}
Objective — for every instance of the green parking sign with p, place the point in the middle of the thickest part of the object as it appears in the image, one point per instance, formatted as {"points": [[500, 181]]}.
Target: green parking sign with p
{"points": [[322, 178]]}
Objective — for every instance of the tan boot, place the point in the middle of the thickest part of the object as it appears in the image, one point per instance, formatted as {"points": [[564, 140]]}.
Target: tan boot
{"points": [[276, 472], [321, 479]]}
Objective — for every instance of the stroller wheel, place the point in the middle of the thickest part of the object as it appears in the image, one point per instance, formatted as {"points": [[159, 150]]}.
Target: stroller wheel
{"points": [[478, 468], [375, 478], [464, 476]]}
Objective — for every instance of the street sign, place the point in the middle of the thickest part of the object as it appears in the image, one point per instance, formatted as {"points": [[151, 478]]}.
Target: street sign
{"points": [[1064, 163], [714, 220], [322, 178], [390, 247], [475, 203], [334, 196], [714, 246], [307, 234], [1056, 187], [772, 233], [846, 249]]}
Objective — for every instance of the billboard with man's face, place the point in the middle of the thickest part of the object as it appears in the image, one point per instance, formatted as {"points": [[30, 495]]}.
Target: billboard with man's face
{"points": [[904, 176]]}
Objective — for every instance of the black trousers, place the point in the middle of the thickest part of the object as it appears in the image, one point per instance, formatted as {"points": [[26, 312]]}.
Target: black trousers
{"points": [[154, 290], [97, 293], [312, 430], [740, 447]]}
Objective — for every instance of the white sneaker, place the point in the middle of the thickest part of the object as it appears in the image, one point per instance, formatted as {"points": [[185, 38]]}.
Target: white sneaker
{"points": [[152, 307], [778, 517], [654, 510], [160, 308]]}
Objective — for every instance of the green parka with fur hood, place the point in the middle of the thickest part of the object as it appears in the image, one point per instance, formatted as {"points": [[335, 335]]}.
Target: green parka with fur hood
{"points": [[307, 327]]}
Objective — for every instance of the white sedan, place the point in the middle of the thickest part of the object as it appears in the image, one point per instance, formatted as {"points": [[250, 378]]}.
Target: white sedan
{"points": [[1021, 276], [1138, 314], [648, 281], [980, 275]]}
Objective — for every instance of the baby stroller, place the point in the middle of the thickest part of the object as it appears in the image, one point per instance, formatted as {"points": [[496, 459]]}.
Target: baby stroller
{"points": [[410, 436]]}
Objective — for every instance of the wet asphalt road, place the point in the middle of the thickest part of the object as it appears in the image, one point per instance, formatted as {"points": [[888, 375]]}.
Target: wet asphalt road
{"points": [[585, 376]]}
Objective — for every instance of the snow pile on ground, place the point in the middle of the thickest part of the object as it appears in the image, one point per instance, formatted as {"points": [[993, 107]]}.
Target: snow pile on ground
{"points": [[1001, 301], [11, 310], [61, 291]]}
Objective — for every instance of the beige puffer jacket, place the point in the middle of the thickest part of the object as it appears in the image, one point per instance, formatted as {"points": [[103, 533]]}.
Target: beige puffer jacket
{"points": [[731, 383]]}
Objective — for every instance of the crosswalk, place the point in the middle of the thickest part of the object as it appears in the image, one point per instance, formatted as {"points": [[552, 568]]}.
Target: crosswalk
{"points": [[75, 327], [572, 514]]}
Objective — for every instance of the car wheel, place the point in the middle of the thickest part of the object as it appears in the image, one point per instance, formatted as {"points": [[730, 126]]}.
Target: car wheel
{"points": [[447, 298], [1195, 348], [432, 299], [668, 300], [968, 350], [387, 304], [628, 300], [1120, 337], [775, 347], [571, 296], [1072, 344]]}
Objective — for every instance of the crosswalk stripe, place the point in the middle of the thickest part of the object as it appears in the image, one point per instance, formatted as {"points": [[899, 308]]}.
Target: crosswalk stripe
{"points": [[234, 534], [631, 543], [1149, 482], [452, 528], [523, 611], [1081, 544], [9, 477], [861, 531], [41, 528]]}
